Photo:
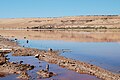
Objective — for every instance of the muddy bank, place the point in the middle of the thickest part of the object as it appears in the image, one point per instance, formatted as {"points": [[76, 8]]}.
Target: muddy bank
{"points": [[80, 67]]}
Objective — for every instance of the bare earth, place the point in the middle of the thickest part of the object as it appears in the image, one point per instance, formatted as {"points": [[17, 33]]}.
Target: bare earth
{"points": [[110, 21]]}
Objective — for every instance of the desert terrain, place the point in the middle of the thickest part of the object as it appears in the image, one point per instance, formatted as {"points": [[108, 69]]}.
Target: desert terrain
{"points": [[74, 22]]}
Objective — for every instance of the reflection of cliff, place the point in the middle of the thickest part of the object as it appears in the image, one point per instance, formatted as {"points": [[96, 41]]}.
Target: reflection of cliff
{"points": [[65, 35]]}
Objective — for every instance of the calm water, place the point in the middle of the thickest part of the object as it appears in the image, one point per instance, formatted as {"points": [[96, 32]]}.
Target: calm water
{"points": [[62, 73], [103, 54]]}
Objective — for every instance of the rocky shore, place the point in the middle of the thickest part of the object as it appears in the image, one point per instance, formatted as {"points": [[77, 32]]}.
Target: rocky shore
{"points": [[54, 57], [7, 67], [80, 67]]}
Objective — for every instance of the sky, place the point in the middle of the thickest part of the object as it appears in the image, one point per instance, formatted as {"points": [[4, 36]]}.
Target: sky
{"points": [[57, 8]]}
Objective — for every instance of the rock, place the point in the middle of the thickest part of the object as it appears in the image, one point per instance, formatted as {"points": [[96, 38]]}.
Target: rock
{"points": [[37, 56], [31, 67], [47, 67], [50, 50], [3, 60], [21, 62], [14, 68], [24, 37], [27, 41], [1, 55], [45, 74], [23, 75], [15, 38]]}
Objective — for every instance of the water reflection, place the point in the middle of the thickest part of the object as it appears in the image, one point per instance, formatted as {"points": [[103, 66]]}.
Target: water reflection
{"points": [[99, 48], [76, 36], [103, 54], [63, 74]]}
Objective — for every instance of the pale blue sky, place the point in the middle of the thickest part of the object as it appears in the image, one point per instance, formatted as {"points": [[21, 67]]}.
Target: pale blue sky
{"points": [[57, 8]]}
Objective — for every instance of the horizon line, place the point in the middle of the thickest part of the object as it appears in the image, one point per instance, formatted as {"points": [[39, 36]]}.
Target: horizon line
{"points": [[61, 16]]}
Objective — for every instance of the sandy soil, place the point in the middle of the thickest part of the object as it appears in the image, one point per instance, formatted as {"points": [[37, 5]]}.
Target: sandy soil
{"points": [[62, 22]]}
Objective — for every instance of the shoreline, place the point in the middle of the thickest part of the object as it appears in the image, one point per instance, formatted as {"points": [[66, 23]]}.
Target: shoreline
{"points": [[55, 58], [74, 65], [7, 67]]}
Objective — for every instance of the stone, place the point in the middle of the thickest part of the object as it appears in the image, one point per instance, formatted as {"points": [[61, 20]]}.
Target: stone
{"points": [[23, 75], [45, 74], [47, 67], [37, 56], [50, 50]]}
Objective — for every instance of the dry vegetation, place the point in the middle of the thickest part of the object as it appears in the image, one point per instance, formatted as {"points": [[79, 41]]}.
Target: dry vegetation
{"points": [[75, 22]]}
